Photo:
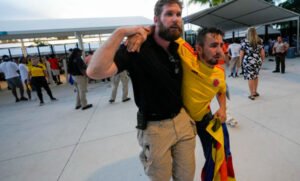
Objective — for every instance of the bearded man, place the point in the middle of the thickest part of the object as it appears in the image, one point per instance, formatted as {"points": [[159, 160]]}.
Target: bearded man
{"points": [[165, 131]]}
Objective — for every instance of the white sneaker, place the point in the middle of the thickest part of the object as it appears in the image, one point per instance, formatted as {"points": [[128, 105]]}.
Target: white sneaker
{"points": [[232, 122]]}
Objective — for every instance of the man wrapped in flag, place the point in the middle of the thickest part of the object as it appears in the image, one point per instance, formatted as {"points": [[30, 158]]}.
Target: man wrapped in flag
{"points": [[203, 79]]}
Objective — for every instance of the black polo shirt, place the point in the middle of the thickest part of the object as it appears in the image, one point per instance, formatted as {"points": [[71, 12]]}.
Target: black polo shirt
{"points": [[155, 78], [76, 66]]}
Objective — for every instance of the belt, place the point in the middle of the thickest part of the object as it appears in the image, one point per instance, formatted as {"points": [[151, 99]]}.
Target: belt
{"points": [[156, 117], [205, 120]]}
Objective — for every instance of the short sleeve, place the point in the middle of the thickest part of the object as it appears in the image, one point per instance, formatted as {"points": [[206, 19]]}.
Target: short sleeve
{"points": [[260, 47], [223, 88], [122, 59], [43, 66], [16, 66], [243, 46], [80, 64]]}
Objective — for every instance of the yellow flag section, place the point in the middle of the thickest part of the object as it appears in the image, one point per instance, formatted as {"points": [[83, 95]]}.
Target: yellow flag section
{"points": [[185, 51], [221, 156]]}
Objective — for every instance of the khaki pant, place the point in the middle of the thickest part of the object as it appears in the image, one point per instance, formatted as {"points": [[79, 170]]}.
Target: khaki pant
{"points": [[168, 148], [123, 77], [234, 63], [80, 83]]}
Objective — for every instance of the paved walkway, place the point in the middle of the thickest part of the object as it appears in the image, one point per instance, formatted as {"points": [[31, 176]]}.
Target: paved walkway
{"points": [[56, 142]]}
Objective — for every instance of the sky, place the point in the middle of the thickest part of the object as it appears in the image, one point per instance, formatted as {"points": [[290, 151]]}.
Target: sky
{"points": [[57, 9]]}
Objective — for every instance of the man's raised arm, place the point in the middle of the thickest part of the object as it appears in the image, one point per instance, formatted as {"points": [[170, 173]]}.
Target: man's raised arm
{"points": [[102, 63]]}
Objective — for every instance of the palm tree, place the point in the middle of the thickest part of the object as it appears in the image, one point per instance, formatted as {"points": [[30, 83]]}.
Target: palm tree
{"points": [[291, 5], [211, 2]]}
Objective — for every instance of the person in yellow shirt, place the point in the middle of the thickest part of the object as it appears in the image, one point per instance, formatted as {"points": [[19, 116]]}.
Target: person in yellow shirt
{"points": [[37, 76], [203, 79]]}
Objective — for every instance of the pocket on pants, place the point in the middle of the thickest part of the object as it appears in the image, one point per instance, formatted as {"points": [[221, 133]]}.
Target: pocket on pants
{"points": [[145, 155]]}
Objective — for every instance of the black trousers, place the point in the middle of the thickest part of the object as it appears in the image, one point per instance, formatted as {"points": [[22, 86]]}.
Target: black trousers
{"points": [[280, 62], [38, 83]]}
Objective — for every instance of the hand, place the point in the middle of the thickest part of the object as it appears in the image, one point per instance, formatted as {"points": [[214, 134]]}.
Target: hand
{"points": [[135, 41], [221, 114]]}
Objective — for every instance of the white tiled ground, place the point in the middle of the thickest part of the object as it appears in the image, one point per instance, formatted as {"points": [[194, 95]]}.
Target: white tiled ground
{"points": [[57, 142]]}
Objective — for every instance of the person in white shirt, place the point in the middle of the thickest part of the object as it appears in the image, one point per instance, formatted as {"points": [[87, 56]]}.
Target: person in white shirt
{"points": [[24, 75], [235, 62], [10, 70]]}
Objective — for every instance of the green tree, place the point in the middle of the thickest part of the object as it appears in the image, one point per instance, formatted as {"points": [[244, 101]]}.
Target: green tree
{"points": [[293, 5], [210, 2], [289, 28]]}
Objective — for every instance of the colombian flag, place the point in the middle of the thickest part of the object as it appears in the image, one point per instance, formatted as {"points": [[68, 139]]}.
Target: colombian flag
{"points": [[219, 166]]}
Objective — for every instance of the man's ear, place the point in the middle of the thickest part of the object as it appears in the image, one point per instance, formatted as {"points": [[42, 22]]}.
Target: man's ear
{"points": [[199, 49], [155, 19]]}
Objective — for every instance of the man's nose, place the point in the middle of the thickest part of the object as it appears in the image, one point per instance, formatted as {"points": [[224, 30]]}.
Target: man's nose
{"points": [[175, 18], [219, 49]]}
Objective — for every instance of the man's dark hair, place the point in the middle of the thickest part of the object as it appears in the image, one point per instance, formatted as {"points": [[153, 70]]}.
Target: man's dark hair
{"points": [[203, 32], [75, 53], [160, 3], [236, 40], [5, 58]]}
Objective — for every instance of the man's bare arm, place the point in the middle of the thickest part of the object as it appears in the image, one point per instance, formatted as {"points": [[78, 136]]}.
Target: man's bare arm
{"points": [[221, 112], [102, 63]]}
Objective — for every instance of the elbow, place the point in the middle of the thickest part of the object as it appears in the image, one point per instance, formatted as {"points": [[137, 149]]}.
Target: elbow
{"points": [[95, 73], [91, 73]]}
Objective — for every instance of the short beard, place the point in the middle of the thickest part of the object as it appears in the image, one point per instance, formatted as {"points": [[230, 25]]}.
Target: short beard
{"points": [[167, 34], [212, 62]]}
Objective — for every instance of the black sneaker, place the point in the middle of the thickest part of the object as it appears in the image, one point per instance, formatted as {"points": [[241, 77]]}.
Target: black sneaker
{"points": [[17, 100], [125, 100], [23, 99], [53, 99], [251, 97], [87, 106], [111, 100], [78, 107], [275, 71]]}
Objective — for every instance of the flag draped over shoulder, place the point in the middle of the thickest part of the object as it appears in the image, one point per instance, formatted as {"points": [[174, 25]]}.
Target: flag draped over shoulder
{"points": [[219, 166]]}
